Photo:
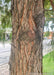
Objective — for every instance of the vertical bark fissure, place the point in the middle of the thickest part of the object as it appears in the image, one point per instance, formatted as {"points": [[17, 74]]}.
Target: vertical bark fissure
{"points": [[26, 51]]}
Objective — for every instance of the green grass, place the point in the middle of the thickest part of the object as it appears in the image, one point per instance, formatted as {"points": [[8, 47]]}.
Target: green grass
{"points": [[48, 63]]}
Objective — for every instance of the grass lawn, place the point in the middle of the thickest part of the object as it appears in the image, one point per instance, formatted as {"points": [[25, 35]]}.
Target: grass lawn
{"points": [[48, 63]]}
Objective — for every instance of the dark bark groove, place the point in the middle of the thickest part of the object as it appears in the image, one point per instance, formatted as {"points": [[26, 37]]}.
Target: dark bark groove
{"points": [[27, 36]]}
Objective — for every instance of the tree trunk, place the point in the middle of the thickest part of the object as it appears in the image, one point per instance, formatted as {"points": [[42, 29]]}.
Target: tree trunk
{"points": [[27, 36], [52, 4]]}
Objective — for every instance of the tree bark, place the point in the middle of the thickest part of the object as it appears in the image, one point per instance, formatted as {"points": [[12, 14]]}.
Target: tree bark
{"points": [[27, 36], [52, 4]]}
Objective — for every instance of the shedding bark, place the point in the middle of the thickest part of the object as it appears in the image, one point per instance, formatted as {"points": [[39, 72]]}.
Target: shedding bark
{"points": [[27, 36]]}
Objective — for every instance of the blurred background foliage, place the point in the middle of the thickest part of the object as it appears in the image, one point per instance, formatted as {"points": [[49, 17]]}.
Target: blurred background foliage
{"points": [[5, 17]]}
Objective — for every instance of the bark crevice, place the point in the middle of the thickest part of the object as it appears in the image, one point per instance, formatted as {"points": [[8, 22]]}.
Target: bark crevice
{"points": [[26, 49]]}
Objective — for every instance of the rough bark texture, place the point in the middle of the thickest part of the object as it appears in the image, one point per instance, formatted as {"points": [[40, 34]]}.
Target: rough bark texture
{"points": [[27, 36]]}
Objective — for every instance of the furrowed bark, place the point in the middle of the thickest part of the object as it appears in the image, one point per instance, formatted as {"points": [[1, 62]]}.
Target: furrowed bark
{"points": [[27, 36]]}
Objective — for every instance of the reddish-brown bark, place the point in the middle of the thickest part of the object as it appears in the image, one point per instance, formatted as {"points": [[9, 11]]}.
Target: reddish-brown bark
{"points": [[26, 49], [51, 1]]}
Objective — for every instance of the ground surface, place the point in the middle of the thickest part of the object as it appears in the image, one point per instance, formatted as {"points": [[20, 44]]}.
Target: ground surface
{"points": [[48, 63], [4, 69], [5, 49]]}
